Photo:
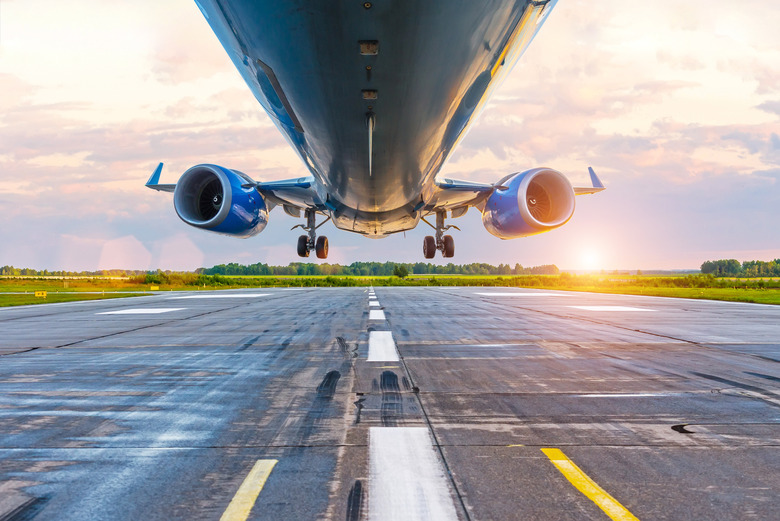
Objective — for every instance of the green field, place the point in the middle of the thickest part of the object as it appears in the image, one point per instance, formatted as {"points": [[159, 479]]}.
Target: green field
{"points": [[30, 298], [18, 291], [757, 296]]}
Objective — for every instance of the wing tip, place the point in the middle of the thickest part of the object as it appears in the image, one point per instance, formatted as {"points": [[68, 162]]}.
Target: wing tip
{"points": [[155, 178], [595, 179]]}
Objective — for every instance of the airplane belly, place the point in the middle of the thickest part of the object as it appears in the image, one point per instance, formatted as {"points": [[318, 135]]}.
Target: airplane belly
{"points": [[420, 69]]}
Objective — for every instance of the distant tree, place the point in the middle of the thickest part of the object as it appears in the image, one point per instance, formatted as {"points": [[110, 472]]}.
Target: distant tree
{"points": [[400, 271]]}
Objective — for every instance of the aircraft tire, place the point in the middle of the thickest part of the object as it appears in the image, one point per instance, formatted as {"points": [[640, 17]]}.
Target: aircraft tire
{"points": [[303, 246], [429, 247], [322, 247], [449, 246]]}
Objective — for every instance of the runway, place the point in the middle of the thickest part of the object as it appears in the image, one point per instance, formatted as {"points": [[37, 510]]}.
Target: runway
{"points": [[430, 403]]}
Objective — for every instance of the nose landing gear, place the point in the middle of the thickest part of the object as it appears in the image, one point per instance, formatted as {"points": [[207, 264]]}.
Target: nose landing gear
{"points": [[444, 243], [307, 243]]}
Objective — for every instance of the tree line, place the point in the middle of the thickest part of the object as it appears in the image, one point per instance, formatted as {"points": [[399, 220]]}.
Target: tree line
{"points": [[360, 269], [733, 268], [29, 272], [377, 269]]}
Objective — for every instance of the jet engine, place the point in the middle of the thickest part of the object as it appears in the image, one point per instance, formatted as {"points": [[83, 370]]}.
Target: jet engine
{"points": [[528, 203], [220, 200]]}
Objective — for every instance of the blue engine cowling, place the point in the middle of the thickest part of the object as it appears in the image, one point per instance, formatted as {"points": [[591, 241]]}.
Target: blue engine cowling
{"points": [[528, 203], [212, 198]]}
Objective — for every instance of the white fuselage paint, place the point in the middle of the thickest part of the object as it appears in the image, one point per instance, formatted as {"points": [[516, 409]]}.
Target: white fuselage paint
{"points": [[381, 347], [376, 314], [406, 479], [140, 311]]}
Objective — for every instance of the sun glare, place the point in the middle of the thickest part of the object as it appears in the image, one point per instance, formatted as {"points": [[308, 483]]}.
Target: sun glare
{"points": [[590, 260]]}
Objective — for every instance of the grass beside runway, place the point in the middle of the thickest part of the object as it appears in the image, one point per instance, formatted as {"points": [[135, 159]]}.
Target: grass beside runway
{"points": [[755, 296], [760, 291], [25, 299]]}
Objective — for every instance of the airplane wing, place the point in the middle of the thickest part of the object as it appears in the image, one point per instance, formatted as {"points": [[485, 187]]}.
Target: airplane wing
{"points": [[458, 196], [597, 187], [154, 181], [293, 195]]}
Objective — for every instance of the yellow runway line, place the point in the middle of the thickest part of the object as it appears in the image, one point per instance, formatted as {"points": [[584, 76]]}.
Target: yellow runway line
{"points": [[242, 503], [587, 486]]}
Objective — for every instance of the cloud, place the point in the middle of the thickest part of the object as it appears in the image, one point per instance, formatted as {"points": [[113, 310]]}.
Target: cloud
{"points": [[773, 107], [124, 253], [177, 253], [188, 51]]}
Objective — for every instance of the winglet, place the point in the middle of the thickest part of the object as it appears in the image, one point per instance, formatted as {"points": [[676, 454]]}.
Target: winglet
{"points": [[154, 181], [593, 178], [598, 186]]}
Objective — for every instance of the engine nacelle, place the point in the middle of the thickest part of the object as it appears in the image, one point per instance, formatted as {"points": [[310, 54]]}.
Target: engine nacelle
{"points": [[212, 198], [532, 202]]}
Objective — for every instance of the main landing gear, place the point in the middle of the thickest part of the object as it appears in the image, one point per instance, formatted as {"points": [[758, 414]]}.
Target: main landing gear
{"points": [[443, 243], [307, 243]]}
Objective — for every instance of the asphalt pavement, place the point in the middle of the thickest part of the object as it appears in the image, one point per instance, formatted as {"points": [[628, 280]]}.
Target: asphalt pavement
{"points": [[390, 404]]}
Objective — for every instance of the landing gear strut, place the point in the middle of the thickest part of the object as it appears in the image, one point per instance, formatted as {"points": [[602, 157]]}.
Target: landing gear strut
{"points": [[307, 243], [444, 243]]}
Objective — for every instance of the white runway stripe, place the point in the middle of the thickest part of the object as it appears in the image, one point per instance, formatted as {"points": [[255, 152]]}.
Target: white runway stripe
{"points": [[406, 480], [610, 308], [376, 314], [381, 347], [225, 295], [373, 304], [523, 294], [140, 311]]}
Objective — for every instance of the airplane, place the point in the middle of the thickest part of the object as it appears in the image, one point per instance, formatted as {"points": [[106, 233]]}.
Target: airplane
{"points": [[373, 96]]}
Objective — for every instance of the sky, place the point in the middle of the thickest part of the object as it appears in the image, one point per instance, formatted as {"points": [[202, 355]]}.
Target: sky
{"points": [[676, 105]]}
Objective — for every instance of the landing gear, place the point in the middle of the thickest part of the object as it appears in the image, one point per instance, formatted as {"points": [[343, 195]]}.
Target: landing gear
{"points": [[443, 243], [307, 243]]}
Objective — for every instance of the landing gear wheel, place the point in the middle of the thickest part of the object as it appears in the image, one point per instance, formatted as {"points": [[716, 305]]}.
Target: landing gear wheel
{"points": [[322, 247], [449, 246], [303, 246], [429, 247]]}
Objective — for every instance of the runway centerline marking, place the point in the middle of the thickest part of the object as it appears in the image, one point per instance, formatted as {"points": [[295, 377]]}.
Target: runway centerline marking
{"points": [[373, 304], [228, 295], [405, 477], [381, 347], [588, 487], [241, 504], [537, 294], [140, 311], [376, 314], [610, 308]]}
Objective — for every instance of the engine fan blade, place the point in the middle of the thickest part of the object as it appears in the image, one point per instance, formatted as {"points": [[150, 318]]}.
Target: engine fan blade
{"points": [[538, 202], [210, 200]]}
